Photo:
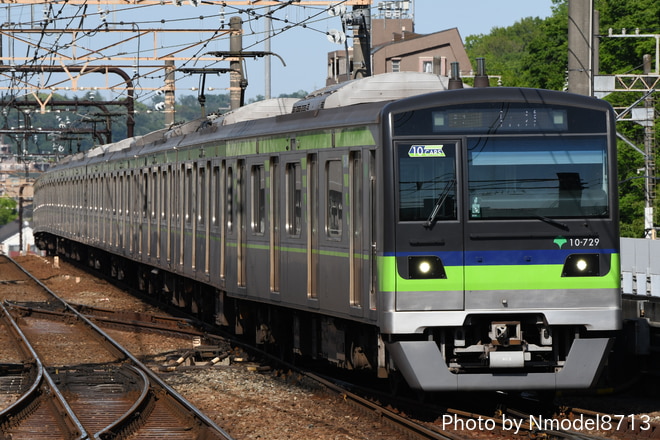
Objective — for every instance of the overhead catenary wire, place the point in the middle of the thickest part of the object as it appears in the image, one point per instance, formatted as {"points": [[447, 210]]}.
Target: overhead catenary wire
{"points": [[41, 50]]}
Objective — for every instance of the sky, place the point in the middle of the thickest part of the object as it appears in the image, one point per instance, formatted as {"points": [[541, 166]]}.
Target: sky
{"points": [[302, 50], [306, 54]]}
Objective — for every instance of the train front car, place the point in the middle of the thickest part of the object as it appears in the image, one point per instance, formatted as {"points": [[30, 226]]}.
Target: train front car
{"points": [[500, 260]]}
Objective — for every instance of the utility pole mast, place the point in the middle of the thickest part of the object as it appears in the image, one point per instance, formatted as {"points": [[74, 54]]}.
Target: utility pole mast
{"points": [[236, 75], [647, 84], [170, 90], [580, 46], [361, 20], [649, 163]]}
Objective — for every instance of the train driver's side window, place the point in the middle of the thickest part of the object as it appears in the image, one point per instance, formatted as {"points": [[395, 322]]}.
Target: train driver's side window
{"points": [[427, 181]]}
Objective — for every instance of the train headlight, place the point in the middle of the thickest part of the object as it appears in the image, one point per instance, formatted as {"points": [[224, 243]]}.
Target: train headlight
{"points": [[424, 267], [581, 265]]}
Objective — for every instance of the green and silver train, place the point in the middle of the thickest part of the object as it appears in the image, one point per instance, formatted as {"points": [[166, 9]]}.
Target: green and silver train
{"points": [[462, 239]]}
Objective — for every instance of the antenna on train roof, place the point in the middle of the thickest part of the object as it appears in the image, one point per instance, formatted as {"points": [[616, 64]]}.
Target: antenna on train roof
{"points": [[481, 78], [455, 81]]}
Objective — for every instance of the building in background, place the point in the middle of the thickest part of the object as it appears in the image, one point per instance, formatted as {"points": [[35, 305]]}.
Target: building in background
{"points": [[10, 239], [395, 47]]}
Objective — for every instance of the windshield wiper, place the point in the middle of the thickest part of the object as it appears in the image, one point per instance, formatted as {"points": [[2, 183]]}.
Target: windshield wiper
{"points": [[552, 221], [438, 204]]}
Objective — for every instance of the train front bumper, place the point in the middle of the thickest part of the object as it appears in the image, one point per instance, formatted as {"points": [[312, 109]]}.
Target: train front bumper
{"points": [[423, 367]]}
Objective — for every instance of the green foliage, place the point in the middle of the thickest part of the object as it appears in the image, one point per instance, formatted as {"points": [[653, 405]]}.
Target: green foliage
{"points": [[533, 52], [502, 49], [8, 212], [299, 94], [624, 55]]}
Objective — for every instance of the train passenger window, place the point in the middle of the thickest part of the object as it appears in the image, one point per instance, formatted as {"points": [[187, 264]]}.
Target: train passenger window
{"points": [[334, 202], [427, 181], [293, 198], [258, 216]]}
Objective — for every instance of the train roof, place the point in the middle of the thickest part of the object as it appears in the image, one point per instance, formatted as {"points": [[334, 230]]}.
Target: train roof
{"points": [[360, 101], [378, 88]]}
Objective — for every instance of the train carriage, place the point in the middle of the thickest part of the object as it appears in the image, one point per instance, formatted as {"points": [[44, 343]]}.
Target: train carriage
{"points": [[466, 239]]}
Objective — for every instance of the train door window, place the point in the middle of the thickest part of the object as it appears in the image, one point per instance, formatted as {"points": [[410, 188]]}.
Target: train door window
{"points": [[166, 215], [125, 197], [293, 199], [121, 210], [203, 211], [201, 192], [192, 179], [131, 207], [240, 222], [136, 210], [183, 209], [114, 204], [258, 214], [188, 182], [92, 207], [145, 211], [215, 200], [113, 194], [164, 192], [229, 187], [222, 196], [274, 216], [134, 201], [312, 226], [333, 198], [153, 199], [355, 226], [76, 204], [373, 227], [146, 200], [155, 208], [97, 206]]}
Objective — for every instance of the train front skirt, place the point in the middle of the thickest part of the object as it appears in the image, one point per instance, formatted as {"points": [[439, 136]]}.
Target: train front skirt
{"points": [[424, 368]]}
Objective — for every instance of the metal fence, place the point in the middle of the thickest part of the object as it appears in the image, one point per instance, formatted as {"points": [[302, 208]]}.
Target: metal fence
{"points": [[640, 266]]}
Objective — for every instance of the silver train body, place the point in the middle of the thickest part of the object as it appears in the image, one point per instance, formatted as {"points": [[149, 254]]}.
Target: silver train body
{"points": [[450, 237]]}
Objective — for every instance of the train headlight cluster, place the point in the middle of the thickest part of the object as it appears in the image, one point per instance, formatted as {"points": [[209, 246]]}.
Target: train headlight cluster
{"points": [[425, 267], [581, 265]]}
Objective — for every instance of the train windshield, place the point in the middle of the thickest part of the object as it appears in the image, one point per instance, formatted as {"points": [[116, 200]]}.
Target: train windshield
{"points": [[537, 176]]}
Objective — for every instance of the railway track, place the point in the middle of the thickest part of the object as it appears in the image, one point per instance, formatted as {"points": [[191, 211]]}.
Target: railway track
{"points": [[455, 424], [79, 383]]}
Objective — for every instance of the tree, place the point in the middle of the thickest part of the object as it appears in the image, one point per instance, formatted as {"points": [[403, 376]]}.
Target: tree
{"points": [[534, 53], [503, 47], [8, 212]]}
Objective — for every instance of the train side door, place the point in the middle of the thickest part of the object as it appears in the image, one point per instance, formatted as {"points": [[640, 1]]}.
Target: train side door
{"points": [[429, 231], [235, 219], [241, 220]]}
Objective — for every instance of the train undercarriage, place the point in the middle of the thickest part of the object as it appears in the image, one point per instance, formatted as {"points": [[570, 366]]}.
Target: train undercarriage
{"points": [[286, 332], [486, 350]]}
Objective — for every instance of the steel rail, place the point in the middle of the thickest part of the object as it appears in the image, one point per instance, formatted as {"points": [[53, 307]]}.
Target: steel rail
{"points": [[23, 406], [178, 399]]}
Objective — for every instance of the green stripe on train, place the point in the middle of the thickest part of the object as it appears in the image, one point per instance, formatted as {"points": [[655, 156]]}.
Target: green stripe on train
{"points": [[544, 277], [353, 137]]}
